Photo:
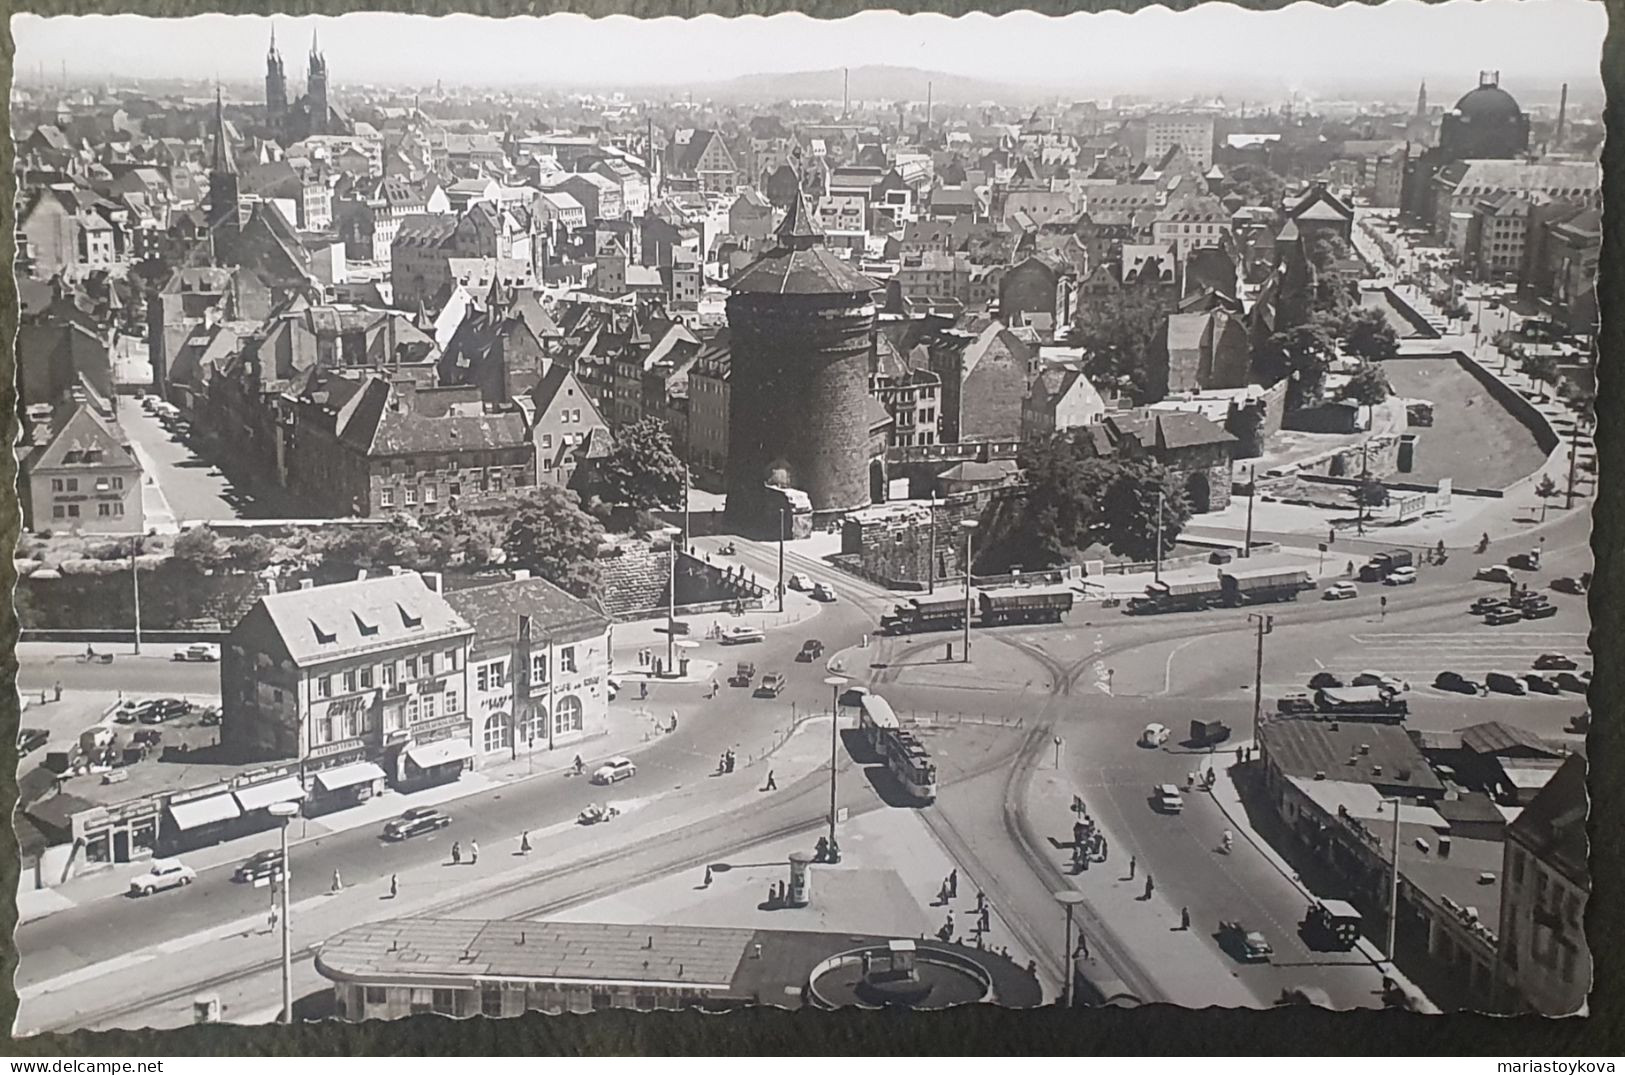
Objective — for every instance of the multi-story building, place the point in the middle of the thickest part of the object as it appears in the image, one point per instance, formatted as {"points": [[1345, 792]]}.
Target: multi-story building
{"points": [[1059, 399], [935, 274], [1191, 132], [81, 476], [1191, 224], [538, 667], [708, 409], [362, 681], [700, 159], [1496, 240]]}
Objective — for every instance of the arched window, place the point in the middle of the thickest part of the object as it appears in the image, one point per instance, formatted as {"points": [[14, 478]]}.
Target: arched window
{"points": [[567, 715], [498, 732], [533, 726]]}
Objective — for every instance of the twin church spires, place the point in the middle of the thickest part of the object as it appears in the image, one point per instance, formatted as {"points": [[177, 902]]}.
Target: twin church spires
{"points": [[312, 110]]}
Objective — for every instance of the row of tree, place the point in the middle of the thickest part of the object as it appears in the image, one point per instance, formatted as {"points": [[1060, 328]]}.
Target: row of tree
{"points": [[1303, 355]]}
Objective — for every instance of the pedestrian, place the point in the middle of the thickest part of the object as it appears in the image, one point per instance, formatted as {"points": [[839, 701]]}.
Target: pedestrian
{"points": [[953, 883], [1083, 945], [59, 690], [1133, 862], [950, 923], [986, 919], [772, 894], [473, 852], [708, 877], [643, 691], [1185, 918], [394, 886], [1078, 829], [942, 893], [868, 962], [456, 853], [271, 921], [1331, 535], [713, 688], [772, 785], [338, 882], [673, 721], [1150, 886], [981, 900], [524, 842]]}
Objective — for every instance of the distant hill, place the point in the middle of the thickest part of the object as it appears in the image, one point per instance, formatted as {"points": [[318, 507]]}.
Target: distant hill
{"points": [[867, 83]]}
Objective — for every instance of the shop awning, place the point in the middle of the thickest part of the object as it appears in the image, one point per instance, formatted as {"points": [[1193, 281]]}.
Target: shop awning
{"points": [[258, 797], [442, 753], [348, 776], [199, 812]]}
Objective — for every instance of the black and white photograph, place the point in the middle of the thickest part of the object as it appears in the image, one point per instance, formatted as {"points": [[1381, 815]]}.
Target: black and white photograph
{"points": [[561, 514]]}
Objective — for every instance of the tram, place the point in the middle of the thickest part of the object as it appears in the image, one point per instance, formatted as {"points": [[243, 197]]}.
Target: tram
{"points": [[904, 756]]}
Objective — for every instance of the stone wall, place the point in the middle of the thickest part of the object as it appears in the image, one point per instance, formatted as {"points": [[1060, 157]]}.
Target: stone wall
{"points": [[895, 545], [173, 595]]}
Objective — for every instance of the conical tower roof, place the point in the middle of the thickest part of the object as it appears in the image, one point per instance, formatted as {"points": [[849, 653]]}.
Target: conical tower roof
{"points": [[221, 162], [799, 263]]}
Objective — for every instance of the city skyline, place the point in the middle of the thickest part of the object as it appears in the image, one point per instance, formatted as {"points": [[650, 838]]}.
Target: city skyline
{"points": [[1150, 50]]}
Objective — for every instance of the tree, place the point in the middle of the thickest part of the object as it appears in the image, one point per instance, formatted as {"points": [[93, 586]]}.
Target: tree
{"points": [[1546, 488], [1582, 399], [643, 471], [1246, 424], [1368, 335], [1371, 493], [1129, 515], [454, 538], [1367, 386], [550, 535], [252, 553], [1301, 354], [200, 547], [1060, 513], [1116, 333], [1256, 185], [1542, 369]]}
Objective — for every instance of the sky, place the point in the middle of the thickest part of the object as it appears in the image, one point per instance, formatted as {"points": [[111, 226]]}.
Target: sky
{"points": [[1305, 47]]}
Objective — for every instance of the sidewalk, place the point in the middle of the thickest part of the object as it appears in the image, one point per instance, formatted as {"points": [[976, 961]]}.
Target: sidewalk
{"points": [[155, 508], [1227, 796]]}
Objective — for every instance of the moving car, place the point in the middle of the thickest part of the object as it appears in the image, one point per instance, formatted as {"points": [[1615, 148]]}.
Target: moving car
{"points": [[1154, 735], [1494, 573], [1570, 584], [259, 864], [799, 581], [811, 650], [1455, 681], [419, 819], [823, 592], [1555, 662], [1340, 591], [1539, 611], [1484, 604], [742, 675], [159, 710], [614, 770], [739, 635], [1246, 945], [1167, 799], [771, 685], [162, 874], [197, 651], [1570, 682], [1539, 684], [1502, 683], [1400, 576], [1503, 616]]}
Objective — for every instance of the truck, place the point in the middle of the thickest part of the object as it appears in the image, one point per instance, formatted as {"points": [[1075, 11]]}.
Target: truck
{"points": [[1167, 596], [1024, 604], [1206, 733], [1373, 703], [1257, 585], [925, 614], [1383, 564]]}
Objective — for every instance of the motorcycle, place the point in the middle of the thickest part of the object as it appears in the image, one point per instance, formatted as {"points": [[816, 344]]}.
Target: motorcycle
{"points": [[594, 813], [92, 657], [728, 549]]}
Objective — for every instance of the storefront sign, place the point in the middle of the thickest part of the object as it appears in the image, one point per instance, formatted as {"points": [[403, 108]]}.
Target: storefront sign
{"points": [[328, 750], [444, 724], [345, 706], [499, 701]]}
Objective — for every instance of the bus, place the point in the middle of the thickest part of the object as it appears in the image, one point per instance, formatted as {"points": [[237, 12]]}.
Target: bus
{"points": [[904, 756]]}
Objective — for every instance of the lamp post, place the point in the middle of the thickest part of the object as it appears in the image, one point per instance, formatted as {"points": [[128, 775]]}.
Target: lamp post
{"points": [[1365, 474], [688, 533], [135, 583], [672, 534], [931, 556], [1252, 487], [784, 522], [284, 812], [835, 685], [969, 526], [1393, 881], [1156, 566], [1067, 898], [1266, 625]]}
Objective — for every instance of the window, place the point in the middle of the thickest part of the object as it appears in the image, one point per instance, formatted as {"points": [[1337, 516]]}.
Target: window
{"points": [[431, 494], [386, 498], [431, 706], [411, 668], [491, 1000], [538, 669], [428, 664], [567, 715], [567, 659], [389, 673], [375, 994], [73, 484], [349, 681], [498, 733], [547, 442], [445, 1002], [73, 511], [412, 708], [59, 511], [366, 678], [324, 686], [102, 510], [411, 495], [56, 485], [452, 703], [451, 660]]}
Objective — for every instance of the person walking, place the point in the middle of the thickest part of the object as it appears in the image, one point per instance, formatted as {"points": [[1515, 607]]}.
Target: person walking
{"points": [[708, 877], [772, 785], [394, 886], [1132, 863], [953, 883], [1150, 886], [524, 842], [942, 893], [1185, 918], [58, 690], [473, 852], [456, 853], [338, 883], [271, 920], [949, 925]]}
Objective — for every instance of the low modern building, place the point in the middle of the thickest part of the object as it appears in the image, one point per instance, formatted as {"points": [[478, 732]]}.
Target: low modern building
{"points": [[538, 667], [362, 681]]}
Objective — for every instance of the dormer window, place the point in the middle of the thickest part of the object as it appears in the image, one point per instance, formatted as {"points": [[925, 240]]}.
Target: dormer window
{"points": [[408, 617], [323, 637], [366, 629]]}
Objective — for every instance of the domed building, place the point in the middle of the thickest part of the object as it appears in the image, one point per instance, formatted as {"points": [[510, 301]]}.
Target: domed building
{"points": [[1486, 124]]}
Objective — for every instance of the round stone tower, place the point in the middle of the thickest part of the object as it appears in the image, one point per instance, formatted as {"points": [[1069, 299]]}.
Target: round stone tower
{"points": [[801, 323]]}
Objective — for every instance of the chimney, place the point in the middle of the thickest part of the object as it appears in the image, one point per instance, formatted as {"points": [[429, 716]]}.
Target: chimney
{"points": [[361, 576], [520, 574], [433, 579], [394, 569], [307, 584], [1444, 847], [405, 395]]}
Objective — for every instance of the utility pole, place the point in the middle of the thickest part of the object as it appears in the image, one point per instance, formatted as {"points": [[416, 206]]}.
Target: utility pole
{"points": [[931, 556], [1393, 884], [1266, 625], [1156, 567], [969, 526], [835, 685], [1365, 474], [783, 522], [687, 532], [135, 583], [671, 603], [1574, 456], [1252, 487], [1067, 898], [284, 812]]}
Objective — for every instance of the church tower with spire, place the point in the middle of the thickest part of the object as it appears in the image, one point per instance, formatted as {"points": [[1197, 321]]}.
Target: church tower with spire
{"points": [[276, 85], [224, 203], [316, 88], [1422, 100]]}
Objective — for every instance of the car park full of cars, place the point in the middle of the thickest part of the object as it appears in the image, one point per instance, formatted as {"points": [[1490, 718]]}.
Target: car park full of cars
{"points": [[1503, 683]]}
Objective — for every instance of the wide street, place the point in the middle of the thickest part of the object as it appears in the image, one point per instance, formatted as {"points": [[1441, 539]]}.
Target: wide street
{"points": [[195, 489]]}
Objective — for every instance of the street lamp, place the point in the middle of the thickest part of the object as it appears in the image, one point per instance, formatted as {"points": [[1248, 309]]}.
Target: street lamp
{"points": [[1393, 879], [784, 522], [835, 684], [969, 526], [1252, 488], [1156, 566], [135, 583], [1067, 898], [284, 812], [1266, 625], [672, 533]]}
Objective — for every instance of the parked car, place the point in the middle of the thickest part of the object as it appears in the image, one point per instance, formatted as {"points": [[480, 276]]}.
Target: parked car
{"points": [[742, 675], [31, 739], [1570, 682], [1503, 616], [739, 635], [259, 864], [1539, 612], [197, 651], [1539, 684], [162, 874], [614, 770], [799, 581], [823, 592], [1494, 573], [418, 820], [1484, 604], [1321, 681], [1569, 584], [1502, 683], [1154, 735], [1579, 724], [1340, 591], [1246, 945], [811, 650], [1400, 576], [1455, 681], [1167, 799], [771, 685], [1555, 662], [1295, 703], [1372, 678], [161, 709]]}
